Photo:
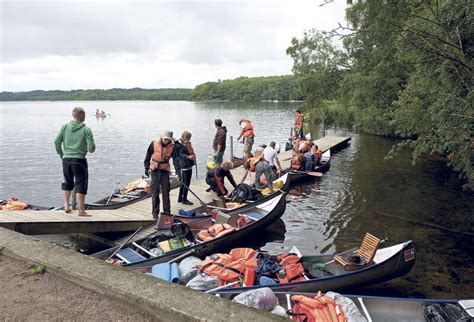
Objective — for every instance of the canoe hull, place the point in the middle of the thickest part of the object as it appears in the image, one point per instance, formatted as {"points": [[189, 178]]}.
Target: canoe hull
{"points": [[222, 244], [395, 266]]}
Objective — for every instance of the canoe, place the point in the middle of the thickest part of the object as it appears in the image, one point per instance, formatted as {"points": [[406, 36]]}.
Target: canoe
{"points": [[166, 220], [298, 176], [262, 215], [119, 199], [376, 308], [389, 263]]}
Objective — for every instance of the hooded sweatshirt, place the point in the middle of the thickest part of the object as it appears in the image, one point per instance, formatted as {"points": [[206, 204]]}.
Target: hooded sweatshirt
{"points": [[220, 138], [77, 140]]}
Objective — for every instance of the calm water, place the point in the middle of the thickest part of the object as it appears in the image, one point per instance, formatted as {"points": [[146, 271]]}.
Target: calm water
{"points": [[360, 193]]}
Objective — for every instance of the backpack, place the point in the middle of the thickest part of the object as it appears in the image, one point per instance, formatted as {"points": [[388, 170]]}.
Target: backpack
{"points": [[183, 153], [244, 192]]}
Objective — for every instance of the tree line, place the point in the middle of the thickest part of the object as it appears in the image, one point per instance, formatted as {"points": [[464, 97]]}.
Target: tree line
{"points": [[165, 94], [250, 89], [405, 70]]}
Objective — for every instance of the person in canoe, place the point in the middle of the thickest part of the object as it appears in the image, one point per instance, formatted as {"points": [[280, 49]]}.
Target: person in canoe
{"points": [[219, 141], [185, 161], [215, 178], [157, 164], [77, 140], [247, 134], [260, 166]]}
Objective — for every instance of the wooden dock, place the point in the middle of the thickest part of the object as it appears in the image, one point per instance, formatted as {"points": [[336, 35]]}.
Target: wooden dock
{"points": [[130, 217]]}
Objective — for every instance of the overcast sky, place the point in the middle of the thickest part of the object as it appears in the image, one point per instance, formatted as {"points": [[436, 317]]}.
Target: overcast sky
{"points": [[151, 44]]}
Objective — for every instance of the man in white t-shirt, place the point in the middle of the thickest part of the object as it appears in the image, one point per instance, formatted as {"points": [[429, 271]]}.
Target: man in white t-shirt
{"points": [[271, 155]]}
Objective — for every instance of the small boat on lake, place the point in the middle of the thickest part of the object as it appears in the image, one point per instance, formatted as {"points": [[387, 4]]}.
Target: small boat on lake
{"points": [[299, 176], [135, 191], [145, 253], [205, 211], [388, 263]]}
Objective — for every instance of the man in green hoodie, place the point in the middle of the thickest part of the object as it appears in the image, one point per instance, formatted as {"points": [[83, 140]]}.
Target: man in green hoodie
{"points": [[77, 140]]}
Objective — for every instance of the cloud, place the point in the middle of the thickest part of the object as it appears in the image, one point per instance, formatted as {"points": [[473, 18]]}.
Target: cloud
{"points": [[83, 44]]}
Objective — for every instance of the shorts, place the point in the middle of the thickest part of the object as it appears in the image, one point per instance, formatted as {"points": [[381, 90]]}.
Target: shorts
{"points": [[248, 143], [75, 175]]}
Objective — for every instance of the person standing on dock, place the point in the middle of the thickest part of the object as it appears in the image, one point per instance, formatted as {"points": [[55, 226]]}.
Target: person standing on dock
{"points": [[219, 141], [186, 159], [299, 124], [76, 139], [157, 162], [247, 134]]}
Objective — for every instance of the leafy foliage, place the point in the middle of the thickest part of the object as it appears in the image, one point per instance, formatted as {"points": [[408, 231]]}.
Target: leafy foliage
{"points": [[407, 71], [164, 94], [255, 89]]}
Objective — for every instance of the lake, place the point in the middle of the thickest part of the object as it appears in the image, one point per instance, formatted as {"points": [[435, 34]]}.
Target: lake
{"points": [[361, 192]]}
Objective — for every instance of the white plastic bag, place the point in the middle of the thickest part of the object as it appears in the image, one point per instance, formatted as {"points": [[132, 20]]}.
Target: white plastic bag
{"points": [[279, 310], [203, 282], [188, 269], [261, 298], [348, 306]]}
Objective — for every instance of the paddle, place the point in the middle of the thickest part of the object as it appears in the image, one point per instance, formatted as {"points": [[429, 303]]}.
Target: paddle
{"points": [[110, 197], [310, 173], [124, 243]]}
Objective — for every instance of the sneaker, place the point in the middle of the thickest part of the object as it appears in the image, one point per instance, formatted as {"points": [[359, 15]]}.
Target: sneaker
{"points": [[208, 189], [180, 201], [187, 202]]}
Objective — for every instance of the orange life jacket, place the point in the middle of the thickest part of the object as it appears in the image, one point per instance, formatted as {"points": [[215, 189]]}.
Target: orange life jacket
{"points": [[299, 120], [215, 231], [161, 155], [250, 163], [248, 129], [14, 205], [319, 308], [293, 271], [297, 162], [239, 263]]}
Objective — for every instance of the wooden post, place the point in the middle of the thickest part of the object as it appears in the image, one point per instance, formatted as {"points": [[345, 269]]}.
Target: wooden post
{"points": [[231, 147]]}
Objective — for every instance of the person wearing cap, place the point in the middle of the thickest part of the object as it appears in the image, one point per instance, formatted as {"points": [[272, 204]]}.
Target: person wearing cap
{"points": [[157, 163], [260, 166], [77, 140], [215, 178], [247, 134], [219, 141]]}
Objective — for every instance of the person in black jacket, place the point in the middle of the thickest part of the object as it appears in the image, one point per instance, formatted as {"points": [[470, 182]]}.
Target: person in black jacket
{"points": [[185, 161], [215, 178], [157, 164]]}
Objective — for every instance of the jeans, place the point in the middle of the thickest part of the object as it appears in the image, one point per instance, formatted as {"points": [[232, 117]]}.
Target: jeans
{"points": [[263, 168]]}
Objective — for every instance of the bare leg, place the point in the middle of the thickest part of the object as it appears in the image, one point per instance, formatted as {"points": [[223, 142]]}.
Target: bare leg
{"points": [[81, 200], [67, 197]]}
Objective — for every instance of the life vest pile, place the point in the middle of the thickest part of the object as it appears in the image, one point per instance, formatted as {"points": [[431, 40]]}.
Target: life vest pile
{"points": [[240, 263], [292, 270], [13, 204], [317, 309], [215, 231]]}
